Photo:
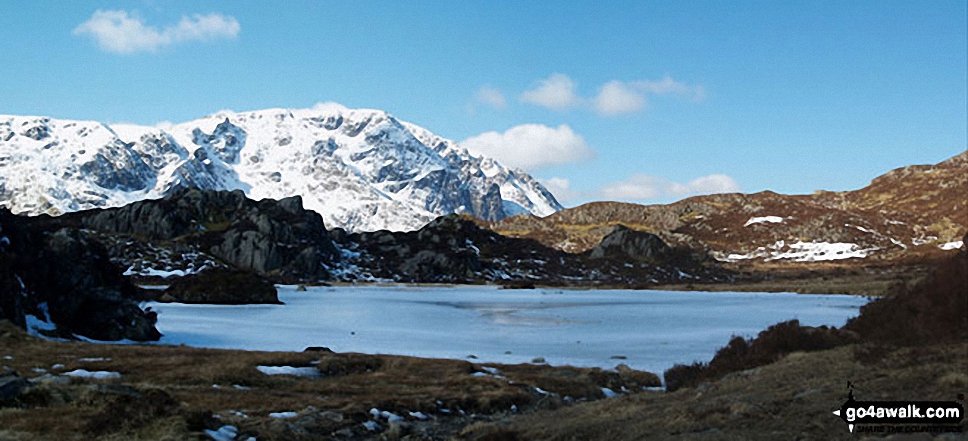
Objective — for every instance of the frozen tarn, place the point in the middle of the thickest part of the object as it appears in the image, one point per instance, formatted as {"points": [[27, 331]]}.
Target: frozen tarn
{"points": [[764, 219], [289, 370], [95, 375], [952, 245], [658, 328]]}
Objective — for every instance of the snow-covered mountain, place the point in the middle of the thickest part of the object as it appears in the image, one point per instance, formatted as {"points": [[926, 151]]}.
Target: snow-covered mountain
{"points": [[362, 169]]}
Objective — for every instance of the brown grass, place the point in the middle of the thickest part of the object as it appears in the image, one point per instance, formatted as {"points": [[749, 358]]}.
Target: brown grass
{"points": [[166, 392]]}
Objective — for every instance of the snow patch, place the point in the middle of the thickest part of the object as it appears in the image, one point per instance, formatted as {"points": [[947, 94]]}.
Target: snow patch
{"points": [[283, 415], [952, 245], [95, 375], [224, 433], [764, 219], [289, 370]]}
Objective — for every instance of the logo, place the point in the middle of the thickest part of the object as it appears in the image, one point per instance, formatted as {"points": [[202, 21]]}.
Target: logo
{"points": [[901, 416]]}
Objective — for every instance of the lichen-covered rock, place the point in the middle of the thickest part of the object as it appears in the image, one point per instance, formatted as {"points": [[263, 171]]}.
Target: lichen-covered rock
{"points": [[221, 286]]}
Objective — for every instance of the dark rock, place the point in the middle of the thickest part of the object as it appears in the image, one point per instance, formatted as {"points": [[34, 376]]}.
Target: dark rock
{"points": [[277, 239], [11, 387], [68, 278], [626, 243], [223, 287], [318, 349]]}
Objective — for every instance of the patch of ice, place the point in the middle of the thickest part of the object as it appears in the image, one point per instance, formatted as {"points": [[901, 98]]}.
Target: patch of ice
{"points": [[372, 426], [764, 219], [283, 415], [240, 387], [57, 366], [952, 245], [96, 375], [224, 433], [94, 359], [608, 392], [289, 370]]}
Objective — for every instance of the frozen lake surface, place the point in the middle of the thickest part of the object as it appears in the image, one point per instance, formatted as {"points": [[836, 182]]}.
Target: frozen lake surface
{"points": [[652, 329]]}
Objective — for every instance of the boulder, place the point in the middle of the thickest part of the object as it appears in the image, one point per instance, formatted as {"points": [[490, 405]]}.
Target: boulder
{"points": [[222, 287], [626, 243]]}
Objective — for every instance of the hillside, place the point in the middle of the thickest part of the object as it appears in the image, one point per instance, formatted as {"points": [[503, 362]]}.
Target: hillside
{"points": [[911, 211]]}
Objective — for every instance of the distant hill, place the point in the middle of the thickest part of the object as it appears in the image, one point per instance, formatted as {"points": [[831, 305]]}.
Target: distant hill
{"points": [[910, 211]]}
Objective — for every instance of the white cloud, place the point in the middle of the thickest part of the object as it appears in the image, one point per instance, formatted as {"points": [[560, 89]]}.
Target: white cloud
{"points": [[669, 86], [644, 187], [492, 97], [556, 92], [616, 97], [636, 188], [531, 146], [717, 183], [119, 32]]}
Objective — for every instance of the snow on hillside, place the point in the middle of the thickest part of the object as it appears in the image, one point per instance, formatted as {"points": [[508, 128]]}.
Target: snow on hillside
{"points": [[362, 169]]}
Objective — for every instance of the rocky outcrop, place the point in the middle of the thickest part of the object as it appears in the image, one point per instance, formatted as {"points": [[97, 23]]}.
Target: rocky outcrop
{"points": [[277, 239], [628, 244], [65, 280], [222, 287]]}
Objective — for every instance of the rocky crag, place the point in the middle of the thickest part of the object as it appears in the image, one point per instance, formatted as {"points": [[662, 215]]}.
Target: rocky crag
{"points": [[63, 284]]}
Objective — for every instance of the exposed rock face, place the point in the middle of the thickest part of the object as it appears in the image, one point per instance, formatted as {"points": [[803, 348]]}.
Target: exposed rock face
{"points": [[625, 243], [277, 239], [441, 251], [453, 249], [222, 287], [64, 279]]}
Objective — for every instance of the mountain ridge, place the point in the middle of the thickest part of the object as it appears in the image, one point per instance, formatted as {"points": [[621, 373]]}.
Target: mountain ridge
{"points": [[362, 169]]}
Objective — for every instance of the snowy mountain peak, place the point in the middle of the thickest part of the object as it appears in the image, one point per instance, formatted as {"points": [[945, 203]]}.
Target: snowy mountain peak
{"points": [[362, 169]]}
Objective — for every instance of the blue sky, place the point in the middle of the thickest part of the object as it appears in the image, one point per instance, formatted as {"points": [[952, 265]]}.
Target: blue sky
{"points": [[640, 101]]}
